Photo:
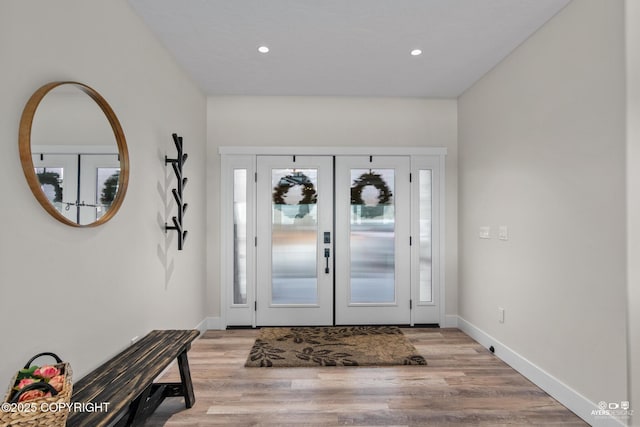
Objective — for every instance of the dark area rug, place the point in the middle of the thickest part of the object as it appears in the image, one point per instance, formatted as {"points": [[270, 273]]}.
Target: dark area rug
{"points": [[333, 346]]}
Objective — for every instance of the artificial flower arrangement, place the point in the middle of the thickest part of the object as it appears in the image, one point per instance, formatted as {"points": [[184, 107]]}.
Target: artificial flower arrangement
{"points": [[49, 374], [38, 395]]}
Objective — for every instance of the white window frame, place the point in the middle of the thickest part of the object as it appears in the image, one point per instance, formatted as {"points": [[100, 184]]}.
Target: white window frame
{"points": [[236, 314]]}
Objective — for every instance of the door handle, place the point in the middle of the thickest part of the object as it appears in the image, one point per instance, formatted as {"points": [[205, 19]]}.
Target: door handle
{"points": [[327, 254]]}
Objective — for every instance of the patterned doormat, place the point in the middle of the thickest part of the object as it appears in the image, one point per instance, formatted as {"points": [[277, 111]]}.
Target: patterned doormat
{"points": [[333, 346]]}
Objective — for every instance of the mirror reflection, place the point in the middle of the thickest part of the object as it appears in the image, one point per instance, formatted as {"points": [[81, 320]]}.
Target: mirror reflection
{"points": [[75, 155]]}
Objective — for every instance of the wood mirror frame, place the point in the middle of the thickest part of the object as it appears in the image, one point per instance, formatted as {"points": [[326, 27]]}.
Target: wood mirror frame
{"points": [[24, 142]]}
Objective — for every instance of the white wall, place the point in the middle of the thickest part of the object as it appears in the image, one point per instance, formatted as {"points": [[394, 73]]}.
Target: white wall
{"points": [[329, 121], [84, 293], [67, 116], [542, 151], [632, 24]]}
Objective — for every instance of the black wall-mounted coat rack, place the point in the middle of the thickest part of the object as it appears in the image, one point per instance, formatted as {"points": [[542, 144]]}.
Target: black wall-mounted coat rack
{"points": [[177, 165]]}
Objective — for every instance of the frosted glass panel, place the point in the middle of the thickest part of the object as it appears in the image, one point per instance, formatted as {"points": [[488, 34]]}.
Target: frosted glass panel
{"points": [[240, 236], [51, 182], [294, 236], [106, 189], [372, 239], [426, 290]]}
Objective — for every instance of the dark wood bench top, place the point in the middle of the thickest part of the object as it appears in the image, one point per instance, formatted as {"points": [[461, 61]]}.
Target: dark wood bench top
{"points": [[125, 377]]}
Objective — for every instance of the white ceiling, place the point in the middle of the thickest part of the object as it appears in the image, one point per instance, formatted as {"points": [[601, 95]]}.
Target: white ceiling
{"points": [[342, 47]]}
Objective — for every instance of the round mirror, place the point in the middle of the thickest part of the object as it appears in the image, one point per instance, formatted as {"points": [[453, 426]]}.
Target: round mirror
{"points": [[74, 154]]}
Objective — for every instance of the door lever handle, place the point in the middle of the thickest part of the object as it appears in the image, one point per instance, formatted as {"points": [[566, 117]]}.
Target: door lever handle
{"points": [[327, 254]]}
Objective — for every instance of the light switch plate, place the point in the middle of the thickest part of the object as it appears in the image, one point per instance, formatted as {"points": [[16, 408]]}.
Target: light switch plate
{"points": [[485, 232]]}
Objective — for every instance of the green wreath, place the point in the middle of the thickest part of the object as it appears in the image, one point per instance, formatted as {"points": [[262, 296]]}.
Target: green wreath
{"points": [[109, 190], [384, 198], [53, 179], [366, 179], [309, 194]]}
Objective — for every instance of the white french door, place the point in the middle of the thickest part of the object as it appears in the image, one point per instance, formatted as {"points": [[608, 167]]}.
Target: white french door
{"points": [[294, 264], [332, 239], [373, 240]]}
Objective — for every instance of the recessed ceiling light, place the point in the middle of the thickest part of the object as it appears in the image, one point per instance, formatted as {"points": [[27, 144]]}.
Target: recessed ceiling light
{"points": [[263, 49], [416, 52]]}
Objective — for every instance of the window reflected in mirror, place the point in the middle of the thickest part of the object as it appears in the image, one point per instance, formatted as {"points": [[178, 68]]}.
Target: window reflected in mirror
{"points": [[81, 186], [73, 153], [51, 181]]}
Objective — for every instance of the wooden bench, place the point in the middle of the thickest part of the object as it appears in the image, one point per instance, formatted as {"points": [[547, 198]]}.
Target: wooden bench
{"points": [[122, 389]]}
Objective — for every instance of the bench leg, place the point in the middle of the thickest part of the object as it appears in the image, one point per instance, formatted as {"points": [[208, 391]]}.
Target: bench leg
{"points": [[137, 410], [142, 407], [185, 377]]}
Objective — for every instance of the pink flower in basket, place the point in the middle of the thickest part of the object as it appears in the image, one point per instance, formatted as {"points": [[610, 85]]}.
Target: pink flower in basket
{"points": [[33, 394], [46, 372], [57, 382], [25, 382]]}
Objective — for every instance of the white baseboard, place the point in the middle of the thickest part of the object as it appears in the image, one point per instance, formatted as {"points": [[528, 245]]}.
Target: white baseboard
{"points": [[450, 321], [580, 405], [214, 323], [202, 326]]}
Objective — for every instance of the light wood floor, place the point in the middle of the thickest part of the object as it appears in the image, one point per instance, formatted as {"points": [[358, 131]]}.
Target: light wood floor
{"points": [[463, 384]]}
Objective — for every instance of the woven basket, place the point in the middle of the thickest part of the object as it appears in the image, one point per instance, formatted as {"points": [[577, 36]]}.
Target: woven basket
{"points": [[43, 412]]}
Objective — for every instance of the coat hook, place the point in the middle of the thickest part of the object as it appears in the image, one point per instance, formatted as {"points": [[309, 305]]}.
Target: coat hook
{"points": [[176, 165]]}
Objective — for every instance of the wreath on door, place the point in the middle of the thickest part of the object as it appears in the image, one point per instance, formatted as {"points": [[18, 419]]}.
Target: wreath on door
{"points": [[286, 183], [384, 196], [109, 190], [53, 179]]}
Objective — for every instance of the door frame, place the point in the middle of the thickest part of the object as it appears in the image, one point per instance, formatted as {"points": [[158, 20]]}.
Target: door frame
{"points": [[229, 314]]}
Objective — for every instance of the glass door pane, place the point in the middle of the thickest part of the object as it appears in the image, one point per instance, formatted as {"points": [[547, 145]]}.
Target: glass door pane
{"points": [[239, 236], [294, 236], [372, 239], [426, 291], [106, 189], [99, 175], [58, 177]]}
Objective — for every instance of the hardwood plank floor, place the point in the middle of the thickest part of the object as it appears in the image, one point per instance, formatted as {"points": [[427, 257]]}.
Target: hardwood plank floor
{"points": [[463, 384]]}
